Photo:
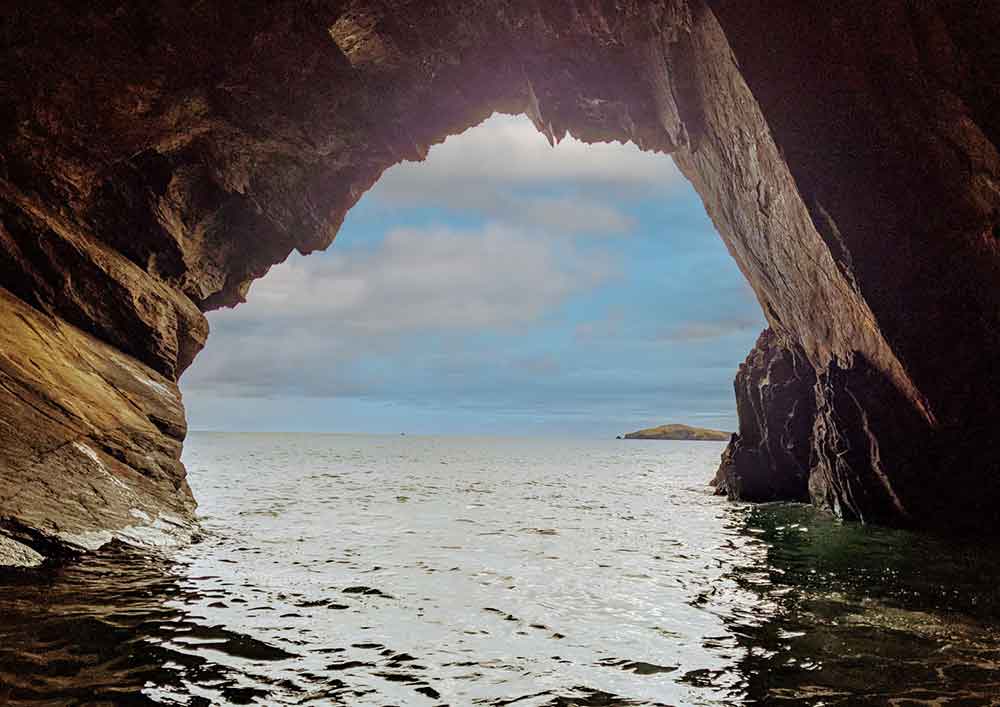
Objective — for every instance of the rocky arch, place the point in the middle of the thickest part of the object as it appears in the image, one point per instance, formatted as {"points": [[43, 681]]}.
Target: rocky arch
{"points": [[157, 157]]}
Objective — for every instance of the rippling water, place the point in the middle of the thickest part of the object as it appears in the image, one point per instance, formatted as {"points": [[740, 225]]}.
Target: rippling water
{"points": [[368, 570]]}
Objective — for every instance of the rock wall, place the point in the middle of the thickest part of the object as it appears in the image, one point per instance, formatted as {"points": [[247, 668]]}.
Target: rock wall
{"points": [[158, 157], [91, 442], [886, 116]]}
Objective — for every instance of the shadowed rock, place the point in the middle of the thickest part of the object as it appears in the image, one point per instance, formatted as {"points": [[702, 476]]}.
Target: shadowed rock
{"points": [[158, 157], [768, 459]]}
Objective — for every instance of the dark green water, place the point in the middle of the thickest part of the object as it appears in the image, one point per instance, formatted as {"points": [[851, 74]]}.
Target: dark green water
{"points": [[426, 571]]}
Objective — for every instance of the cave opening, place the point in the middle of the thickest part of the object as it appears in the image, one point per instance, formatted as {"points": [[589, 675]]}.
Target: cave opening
{"points": [[524, 304], [502, 286], [861, 218], [157, 158]]}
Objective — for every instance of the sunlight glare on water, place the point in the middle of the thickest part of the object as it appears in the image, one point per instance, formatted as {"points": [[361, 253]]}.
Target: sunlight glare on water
{"points": [[375, 570]]}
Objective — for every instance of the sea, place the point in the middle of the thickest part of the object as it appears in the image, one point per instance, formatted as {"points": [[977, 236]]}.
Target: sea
{"points": [[411, 570]]}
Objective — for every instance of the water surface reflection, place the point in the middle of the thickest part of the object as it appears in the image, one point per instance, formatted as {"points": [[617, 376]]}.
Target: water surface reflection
{"points": [[376, 571], [865, 615]]}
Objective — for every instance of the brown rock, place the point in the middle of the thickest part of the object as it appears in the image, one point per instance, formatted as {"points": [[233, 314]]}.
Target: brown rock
{"points": [[157, 157], [91, 440]]}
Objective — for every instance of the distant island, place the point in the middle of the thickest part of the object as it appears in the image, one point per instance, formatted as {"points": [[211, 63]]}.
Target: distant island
{"points": [[685, 432]]}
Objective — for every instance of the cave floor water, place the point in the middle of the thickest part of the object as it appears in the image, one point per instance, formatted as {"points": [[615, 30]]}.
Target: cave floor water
{"points": [[364, 570]]}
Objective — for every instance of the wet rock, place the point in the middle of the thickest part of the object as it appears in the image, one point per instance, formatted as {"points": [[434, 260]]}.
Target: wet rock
{"points": [[768, 459], [90, 440]]}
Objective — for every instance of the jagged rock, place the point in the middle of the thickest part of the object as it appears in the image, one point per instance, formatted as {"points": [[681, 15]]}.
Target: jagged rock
{"points": [[768, 459], [157, 157], [91, 440]]}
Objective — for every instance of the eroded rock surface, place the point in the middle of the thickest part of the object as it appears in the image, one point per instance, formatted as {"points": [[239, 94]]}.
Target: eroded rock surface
{"points": [[91, 442], [158, 157], [769, 458], [15, 554]]}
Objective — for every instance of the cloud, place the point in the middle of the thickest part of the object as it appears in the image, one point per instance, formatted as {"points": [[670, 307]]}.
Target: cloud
{"points": [[508, 149], [506, 170], [609, 327], [561, 215], [430, 279], [497, 306], [325, 318], [542, 365], [699, 331]]}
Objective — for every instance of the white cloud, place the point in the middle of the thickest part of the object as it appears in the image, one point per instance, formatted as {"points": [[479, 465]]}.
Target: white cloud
{"points": [[560, 215], [508, 150], [430, 279], [506, 170], [709, 330], [608, 327], [317, 319]]}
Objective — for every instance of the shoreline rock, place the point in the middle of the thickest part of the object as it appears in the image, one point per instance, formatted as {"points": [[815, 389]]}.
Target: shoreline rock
{"points": [[769, 458]]}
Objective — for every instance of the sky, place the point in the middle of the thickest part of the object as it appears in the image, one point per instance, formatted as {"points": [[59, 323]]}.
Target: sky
{"points": [[501, 287]]}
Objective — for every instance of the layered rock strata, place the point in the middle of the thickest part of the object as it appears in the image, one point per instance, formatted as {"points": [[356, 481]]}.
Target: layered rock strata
{"points": [[156, 158]]}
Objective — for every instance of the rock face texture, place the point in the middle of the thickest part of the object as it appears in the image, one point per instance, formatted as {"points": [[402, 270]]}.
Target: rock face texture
{"points": [[769, 458], [158, 157], [91, 440]]}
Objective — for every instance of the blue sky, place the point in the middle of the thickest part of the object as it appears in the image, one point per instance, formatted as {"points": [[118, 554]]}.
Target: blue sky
{"points": [[502, 286]]}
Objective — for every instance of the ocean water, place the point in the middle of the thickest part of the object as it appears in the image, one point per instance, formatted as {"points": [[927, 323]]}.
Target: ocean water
{"points": [[377, 570]]}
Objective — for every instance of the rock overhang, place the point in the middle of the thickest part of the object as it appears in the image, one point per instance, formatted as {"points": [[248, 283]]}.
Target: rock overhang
{"points": [[158, 158]]}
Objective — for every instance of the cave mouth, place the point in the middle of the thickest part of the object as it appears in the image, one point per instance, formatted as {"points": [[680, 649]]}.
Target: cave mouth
{"points": [[232, 180], [862, 219], [504, 285], [159, 157]]}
